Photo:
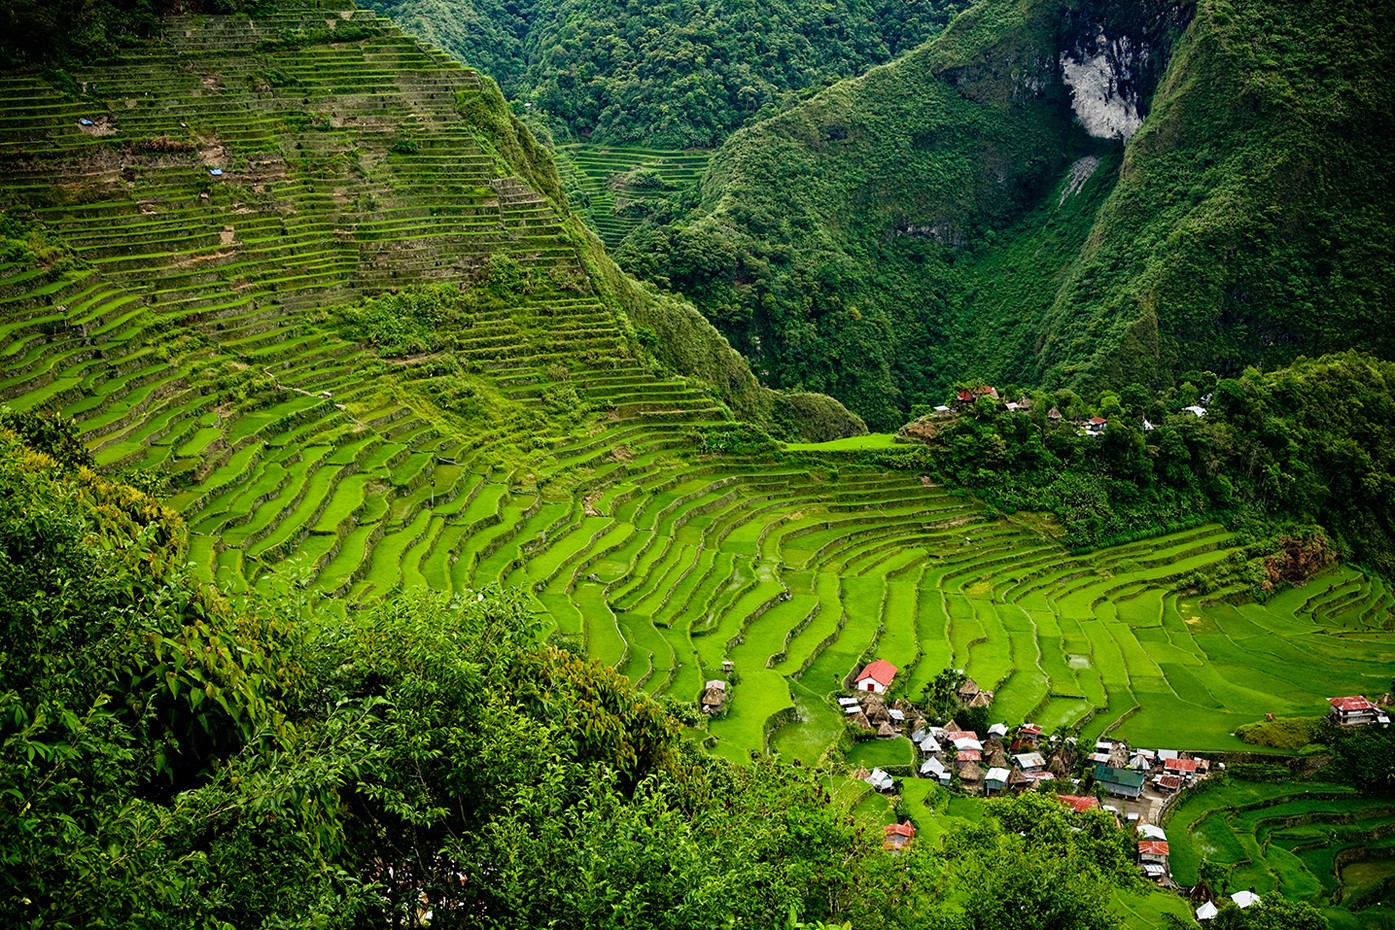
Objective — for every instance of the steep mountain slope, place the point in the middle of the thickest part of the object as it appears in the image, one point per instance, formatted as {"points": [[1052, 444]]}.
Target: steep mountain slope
{"points": [[189, 246], [667, 73], [1063, 192]]}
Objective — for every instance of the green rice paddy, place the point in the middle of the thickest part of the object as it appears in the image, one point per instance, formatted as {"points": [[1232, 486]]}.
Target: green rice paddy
{"points": [[188, 336], [616, 186], [1307, 841]]}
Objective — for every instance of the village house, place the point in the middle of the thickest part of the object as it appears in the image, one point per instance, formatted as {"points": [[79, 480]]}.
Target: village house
{"points": [[1030, 762], [714, 695], [1355, 711], [994, 753], [970, 773], [998, 729], [1122, 782], [995, 780], [897, 835], [1021, 781], [876, 677], [970, 395], [1078, 803], [1167, 783], [965, 739], [880, 780], [1095, 426], [1244, 899], [1186, 768], [1152, 857], [934, 768], [1151, 831]]}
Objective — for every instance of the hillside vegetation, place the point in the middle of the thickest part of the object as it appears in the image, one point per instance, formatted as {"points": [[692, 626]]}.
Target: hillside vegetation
{"points": [[371, 357], [948, 215], [1276, 452], [667, 74], [170, 760], [360, 518]]}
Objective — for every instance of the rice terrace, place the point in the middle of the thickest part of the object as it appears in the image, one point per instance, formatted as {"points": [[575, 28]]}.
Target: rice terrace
{"points": [[300, 277]]}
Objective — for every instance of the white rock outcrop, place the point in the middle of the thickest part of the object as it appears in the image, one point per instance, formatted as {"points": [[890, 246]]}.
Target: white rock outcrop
{"points": [[1104, 109]]}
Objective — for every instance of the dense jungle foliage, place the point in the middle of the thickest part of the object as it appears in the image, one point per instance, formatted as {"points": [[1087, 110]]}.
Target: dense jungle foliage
{"points": [[945, 215], [669, 74], [44, 30], [172, 759], [1281, 452]]}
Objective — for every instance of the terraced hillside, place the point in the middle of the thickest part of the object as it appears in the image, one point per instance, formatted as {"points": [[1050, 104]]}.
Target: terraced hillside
{"points": [[188, 268], [622, 185], [1319, 843]]}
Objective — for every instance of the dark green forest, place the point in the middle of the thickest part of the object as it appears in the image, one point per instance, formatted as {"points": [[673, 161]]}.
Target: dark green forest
{"points": [[668, 74], [945, 216], [45, 32]]}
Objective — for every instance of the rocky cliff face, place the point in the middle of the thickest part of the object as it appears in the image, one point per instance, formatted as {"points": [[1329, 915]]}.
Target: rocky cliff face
{"points": [[1111, 59]]}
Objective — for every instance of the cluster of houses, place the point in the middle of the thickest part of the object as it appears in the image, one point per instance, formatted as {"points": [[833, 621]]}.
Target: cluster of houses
{"points": [[870, 711], [1123, 772], [1093, 427], [1007, 759]]}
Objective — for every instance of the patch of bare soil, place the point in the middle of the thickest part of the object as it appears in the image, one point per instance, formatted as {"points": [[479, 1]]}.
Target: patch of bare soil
{"points": [[101, 126]]}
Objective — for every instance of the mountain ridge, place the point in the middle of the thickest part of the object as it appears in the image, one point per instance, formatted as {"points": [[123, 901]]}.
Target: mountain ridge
{"points": [[1242, 225]]}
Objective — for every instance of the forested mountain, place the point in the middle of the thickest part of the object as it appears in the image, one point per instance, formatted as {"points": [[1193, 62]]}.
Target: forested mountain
{"points": [[1079, 194], [667, 73]]}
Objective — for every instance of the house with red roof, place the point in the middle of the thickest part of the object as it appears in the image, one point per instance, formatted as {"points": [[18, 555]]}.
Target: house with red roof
{"points": [[969, 395], [1078, 804], [1152, 856], [897, 835], [876, 677], [1181, 766], [1168, 782], [1353, 711]]}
